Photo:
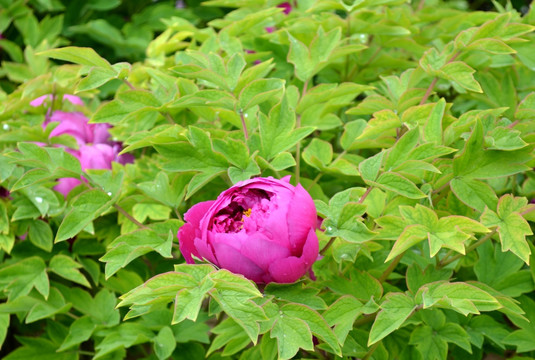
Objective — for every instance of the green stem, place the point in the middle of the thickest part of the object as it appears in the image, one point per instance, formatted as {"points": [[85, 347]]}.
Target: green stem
{"points": [[326, 247], [445, 261], [391, 268], [434, 82], [244, 126], [129, 217]]}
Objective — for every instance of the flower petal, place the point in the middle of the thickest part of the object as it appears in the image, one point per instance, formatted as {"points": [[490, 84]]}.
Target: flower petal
{"points": [[301, 218], [186, 241], [233, 260], [262, 251], [65, 185], [287, 270]]}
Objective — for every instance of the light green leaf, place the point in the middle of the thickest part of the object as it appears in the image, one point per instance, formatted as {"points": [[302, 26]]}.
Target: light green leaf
{"points": [[395, 309], [77, 55], [369, 168], [259, 91], [398, 184], [433, 127], [512, 227], [474, 193], [4, 326], [342, 314], [292, 334]]}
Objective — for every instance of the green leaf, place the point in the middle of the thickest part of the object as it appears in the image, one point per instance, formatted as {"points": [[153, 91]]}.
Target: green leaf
{"points": [[39, 348], [80, 330], [142, 211], [429, 343], [292, 334], [401, 151], [318, 154], [97, 77], [297, 293], [77, 55], [317, 324], [474, 193], [399, 184], [522, 338], [67, 268], [188, 301], [369, 168], [40, 234], [4, 326], [342, 314], [259, 91], [125, 248], [164, 343], [85, 208], [491, 163], [461, 297], [19, 278], [395, 309], [462, 74], [512, 227], [54, 304], [433, 127]]}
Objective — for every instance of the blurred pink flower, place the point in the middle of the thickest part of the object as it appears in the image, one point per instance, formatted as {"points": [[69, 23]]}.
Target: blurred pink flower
{"points": [[73, 99]]}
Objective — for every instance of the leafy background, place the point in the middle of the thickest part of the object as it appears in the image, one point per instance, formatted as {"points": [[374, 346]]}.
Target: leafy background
{"points": [[411, 125]]}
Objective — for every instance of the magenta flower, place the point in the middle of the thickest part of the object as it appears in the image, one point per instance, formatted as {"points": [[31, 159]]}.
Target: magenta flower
{"points": [[263, 228], [95, 156], [76, 124], [73, 99]]}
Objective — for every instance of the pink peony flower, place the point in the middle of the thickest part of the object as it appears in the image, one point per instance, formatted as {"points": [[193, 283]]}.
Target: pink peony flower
{"points": [[95, 156], [73, 99], [76, 124], [263, 228]]}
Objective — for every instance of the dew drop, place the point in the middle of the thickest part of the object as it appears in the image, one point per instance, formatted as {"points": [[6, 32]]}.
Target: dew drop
{"points": [[39, 199], [246, 115], [5, 127], [109, 193], [329, 228]]}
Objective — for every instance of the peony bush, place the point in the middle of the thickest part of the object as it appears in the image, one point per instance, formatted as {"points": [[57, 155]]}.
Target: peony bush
{"points": [[267, 180]]}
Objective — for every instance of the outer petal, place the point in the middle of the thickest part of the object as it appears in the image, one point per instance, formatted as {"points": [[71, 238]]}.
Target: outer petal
{"points": [[74, 124], [262, 251], [301, 218], [190, 230], [186, 241], [197, 211], [292, 268], [231, 259], [287, 270]]}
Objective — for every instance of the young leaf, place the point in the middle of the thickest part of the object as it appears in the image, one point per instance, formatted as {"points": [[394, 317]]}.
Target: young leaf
{"points": [[67, 268]]}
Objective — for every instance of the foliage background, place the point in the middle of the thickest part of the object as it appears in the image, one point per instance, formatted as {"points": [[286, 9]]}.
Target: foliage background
{"points": [[411, 124]]}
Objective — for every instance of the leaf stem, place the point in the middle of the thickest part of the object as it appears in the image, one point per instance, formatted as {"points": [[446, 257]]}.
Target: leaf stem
{"points": [[446, 261], [244, 126], [129, 217], [326, 247], [129, 84], [434, 82], [391, 268]]}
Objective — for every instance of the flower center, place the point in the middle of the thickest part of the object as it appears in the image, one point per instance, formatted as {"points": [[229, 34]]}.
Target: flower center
{"points": [[248, 206]]}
